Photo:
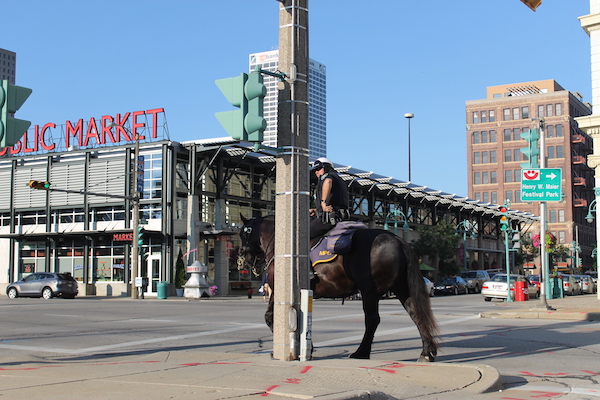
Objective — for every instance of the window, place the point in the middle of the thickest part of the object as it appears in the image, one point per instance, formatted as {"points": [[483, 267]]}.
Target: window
{"points": [[525, 112], [484, 137], [551, 216], [540, 111], [476, 158], [549, 110], [492, 116], [484, 157], [517, 195], [559, 152], [492, 136], [559, 131], [476, 178], [494, 197], [507, 155], [506, 116], [550, 131], [561, 215], [493, 156], [516, 114], [508, 176], [507, 135], [484, 116], [478, 196], [475, 117], [508, 195], [486, 197], [493, 178], [558, 109], [550, 150], [517, 155], [476, 137], [485, 178]]}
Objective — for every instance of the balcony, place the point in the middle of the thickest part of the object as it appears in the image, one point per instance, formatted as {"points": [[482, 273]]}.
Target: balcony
{"points": [[580, 203], [577, 139], [578, 181], [578, 159]]}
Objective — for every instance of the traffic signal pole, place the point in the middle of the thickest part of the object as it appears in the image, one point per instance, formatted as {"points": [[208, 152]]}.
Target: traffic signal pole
{"points": [[292, 183]]}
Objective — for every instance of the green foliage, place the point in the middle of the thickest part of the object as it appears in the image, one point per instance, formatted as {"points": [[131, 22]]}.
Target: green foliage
{"points": [[179, 271], [437, 241]]}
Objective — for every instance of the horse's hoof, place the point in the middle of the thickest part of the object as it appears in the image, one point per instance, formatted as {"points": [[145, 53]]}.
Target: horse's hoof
{"points": [[426, 359], [360, 356]]}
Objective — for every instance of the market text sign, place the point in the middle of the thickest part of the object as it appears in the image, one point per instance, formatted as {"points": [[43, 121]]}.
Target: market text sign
{"points": [[541, 184], [107, 130]]}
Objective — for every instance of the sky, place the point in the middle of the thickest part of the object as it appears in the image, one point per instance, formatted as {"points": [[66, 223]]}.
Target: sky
{"points": [[384, 58]]}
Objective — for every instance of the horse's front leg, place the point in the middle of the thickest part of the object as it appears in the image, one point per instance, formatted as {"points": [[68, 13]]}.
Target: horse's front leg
{"points": [[269, 312], [371, 309]]}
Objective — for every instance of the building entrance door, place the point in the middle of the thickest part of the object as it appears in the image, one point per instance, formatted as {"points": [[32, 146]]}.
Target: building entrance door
{"points": [[152, 271]]}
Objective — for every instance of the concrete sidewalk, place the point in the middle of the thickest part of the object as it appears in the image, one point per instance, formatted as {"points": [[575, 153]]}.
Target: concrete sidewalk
{"points": [[216, 376]]}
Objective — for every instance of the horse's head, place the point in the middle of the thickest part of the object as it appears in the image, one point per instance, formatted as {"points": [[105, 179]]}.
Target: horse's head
{"points": [[251, 248]]}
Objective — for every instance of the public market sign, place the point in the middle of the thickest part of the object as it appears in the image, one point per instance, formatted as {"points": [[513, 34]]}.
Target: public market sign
{"points": [[541, 184], [105, 131]]}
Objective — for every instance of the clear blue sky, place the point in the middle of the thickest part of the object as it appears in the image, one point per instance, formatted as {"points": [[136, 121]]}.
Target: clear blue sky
{"points": [[384, 58]]}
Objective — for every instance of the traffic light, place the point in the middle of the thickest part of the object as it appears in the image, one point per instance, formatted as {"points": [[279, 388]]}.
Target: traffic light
{"points": [[504, 223], [11, 99], [247, 92], [516, 240], [39, 185], [140, 235], [533, 4], [532, 151]]}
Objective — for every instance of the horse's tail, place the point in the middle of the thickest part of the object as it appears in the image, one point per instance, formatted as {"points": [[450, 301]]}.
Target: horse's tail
{"points": [[420, 298]]}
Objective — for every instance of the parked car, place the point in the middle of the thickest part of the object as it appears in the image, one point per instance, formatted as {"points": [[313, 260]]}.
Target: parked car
{"points": [[535, 279], [571, 285], [587, 283], [429, 286], [496, 287], [475, 279], [451, 285], [594, 275], [44, 284]]}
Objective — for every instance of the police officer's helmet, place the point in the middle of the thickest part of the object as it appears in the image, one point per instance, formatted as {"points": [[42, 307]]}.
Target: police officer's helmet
{"points": [[321, 162]]}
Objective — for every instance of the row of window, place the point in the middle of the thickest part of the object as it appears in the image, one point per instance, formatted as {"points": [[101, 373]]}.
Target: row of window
{"points": [[511, 134], [516, 113], [510, 155]]}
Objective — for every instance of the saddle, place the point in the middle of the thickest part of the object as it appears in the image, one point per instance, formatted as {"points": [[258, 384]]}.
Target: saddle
{"points": [[336, 241]]}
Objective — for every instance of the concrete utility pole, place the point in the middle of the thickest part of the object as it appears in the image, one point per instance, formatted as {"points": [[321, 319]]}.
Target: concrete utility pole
{"points": [[292, 183]]}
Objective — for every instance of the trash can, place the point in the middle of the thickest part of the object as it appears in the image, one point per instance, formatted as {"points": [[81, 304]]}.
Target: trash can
{"points": [[161, 289], [557, 288], [521, 291]]}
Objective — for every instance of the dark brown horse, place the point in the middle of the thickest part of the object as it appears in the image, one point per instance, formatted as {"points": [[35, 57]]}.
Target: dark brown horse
{"points": [[377, 262]]}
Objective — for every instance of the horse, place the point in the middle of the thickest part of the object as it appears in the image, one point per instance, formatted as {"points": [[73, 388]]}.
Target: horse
{"points": [[378, 261]]}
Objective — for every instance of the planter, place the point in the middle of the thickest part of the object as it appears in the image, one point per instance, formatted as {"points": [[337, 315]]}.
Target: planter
{"points": [[179, 292]]}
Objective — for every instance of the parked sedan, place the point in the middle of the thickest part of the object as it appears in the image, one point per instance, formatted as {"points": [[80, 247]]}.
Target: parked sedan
{"points": [[496, 287], [587, 283], [44, 284], [452, 285], [571, 285]]}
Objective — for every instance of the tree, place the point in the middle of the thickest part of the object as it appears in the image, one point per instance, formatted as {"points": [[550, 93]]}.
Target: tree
{"points": [[439, 242], [179, 271]]}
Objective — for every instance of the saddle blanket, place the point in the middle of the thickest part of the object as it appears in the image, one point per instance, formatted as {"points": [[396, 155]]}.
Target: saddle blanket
{"points": [[337, 241]]}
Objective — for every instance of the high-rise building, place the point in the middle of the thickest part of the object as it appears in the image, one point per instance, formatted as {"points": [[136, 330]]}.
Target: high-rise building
{"points": [[317, 96], [8, 66], [494, 128]]}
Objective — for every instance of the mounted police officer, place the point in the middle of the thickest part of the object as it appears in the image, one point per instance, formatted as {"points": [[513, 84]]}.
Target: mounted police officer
{"points": [[331, 199]]}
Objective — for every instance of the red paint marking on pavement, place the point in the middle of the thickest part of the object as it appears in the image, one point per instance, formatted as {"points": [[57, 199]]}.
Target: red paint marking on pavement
{"points": [[546, 394], [306, 369], [126, 362], [294, 381], [558, 374], [268, 391], [512, 398], [528, 373], [381, 369], [590, 372]]}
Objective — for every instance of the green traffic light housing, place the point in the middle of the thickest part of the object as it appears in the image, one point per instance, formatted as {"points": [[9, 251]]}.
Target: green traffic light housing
{"points": [[246, 92], [11, 99], [532, 151], [39, 185], [504, 223], [140, 235]]}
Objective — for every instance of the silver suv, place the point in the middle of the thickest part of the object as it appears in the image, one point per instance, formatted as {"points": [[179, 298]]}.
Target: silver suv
{"points": [[475, 279], [44, 284]]}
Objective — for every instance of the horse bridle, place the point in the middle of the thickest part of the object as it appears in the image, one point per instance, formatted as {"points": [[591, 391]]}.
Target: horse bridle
{"points": [[241, 261]]}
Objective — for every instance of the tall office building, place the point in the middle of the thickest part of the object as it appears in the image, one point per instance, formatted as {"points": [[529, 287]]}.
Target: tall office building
{"points": [[494, 127], [317, 96], [8, 66]]}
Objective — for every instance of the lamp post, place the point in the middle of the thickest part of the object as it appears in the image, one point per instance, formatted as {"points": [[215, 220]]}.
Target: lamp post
{"points": [[408, 116], [135, 220], [393, 217], [590, 218], [465, 226]]}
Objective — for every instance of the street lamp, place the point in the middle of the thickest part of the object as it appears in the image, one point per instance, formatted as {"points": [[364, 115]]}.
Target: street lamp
{"points": [[393, 217], [135, 222], [465, 226], [590, 218], [408, 116]]}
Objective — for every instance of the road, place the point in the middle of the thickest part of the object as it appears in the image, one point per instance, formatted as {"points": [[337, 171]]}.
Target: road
{"points": [[537, 355]]}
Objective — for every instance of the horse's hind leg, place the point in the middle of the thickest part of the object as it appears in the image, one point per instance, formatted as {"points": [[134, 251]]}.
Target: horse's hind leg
{"points": [[371, 309], [269, 313], [429, 349]]}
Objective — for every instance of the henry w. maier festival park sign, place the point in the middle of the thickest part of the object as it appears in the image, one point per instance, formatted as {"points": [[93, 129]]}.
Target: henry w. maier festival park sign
{"points": [[541, 184]]}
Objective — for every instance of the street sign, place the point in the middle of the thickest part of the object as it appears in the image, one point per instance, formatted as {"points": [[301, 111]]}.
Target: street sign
{"points": [[541, 184]]}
